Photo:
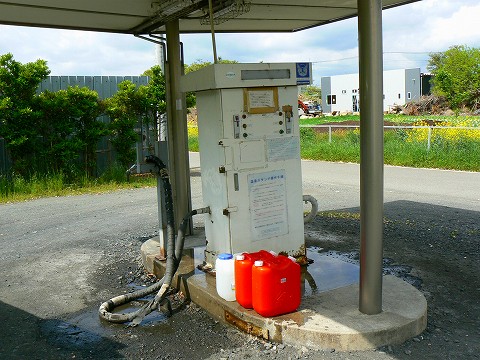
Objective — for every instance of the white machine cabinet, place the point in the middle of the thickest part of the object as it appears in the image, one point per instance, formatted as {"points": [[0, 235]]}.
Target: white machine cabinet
{"points": [[249, 157]]}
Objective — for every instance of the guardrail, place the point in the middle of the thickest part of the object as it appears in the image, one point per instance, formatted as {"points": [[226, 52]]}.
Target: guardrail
{"points": [[430, 128]]}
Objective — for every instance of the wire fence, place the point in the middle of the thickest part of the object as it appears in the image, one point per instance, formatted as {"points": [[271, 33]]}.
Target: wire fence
{"points": [[330, 128]]}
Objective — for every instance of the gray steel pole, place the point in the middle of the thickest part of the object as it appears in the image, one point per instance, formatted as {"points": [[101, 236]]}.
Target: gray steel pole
{"points": [[179, 168], [371, 155]]}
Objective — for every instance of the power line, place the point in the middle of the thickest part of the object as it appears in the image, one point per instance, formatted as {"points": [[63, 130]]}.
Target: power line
{"points": [[386, 52], [324, 61], [408, 52]]}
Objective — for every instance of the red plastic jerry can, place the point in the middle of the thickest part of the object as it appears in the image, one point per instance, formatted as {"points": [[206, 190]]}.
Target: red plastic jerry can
{"points": [[243, 275], [276, 286]]}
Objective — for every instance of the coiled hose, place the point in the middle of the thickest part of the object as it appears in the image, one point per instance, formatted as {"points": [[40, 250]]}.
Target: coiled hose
{"points": [[173, 260], [313, 212]]}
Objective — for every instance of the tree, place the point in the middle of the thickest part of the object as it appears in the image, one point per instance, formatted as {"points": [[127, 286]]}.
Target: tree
{"points": [[156, 92], [70, 128], [156, 96], [18, 118], [312, 93], [137, 107], [125, 108], [199, 64], [56, 128], [457, 76], [85, 108]]}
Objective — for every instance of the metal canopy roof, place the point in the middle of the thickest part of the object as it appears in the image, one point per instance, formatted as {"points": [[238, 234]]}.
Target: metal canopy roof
{"points": [[147, 16]]}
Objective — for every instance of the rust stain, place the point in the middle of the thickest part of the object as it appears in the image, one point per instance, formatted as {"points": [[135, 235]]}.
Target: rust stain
{"points": [[300, 255], [245, 326]]}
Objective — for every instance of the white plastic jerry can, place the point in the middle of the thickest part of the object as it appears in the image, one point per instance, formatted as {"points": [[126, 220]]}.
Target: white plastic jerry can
{"points": [[225, 276]]}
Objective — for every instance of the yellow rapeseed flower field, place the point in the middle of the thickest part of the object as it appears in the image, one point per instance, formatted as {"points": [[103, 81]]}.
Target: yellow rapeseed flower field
{"points": [[192, 130], [454, 133]]}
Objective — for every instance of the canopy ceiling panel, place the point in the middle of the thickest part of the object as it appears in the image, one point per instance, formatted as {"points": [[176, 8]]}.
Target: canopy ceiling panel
{"points": [[147, 16], [101, 15]]}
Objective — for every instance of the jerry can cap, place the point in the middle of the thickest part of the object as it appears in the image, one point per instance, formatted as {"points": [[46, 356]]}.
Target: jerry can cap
{"points": [[240, 257], [258, 263], [225, 256]]}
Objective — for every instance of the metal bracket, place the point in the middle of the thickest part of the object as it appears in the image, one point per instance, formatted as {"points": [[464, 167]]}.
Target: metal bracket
{"points": [[288, 118], [226, 142], [236, 126], [229, 210]]}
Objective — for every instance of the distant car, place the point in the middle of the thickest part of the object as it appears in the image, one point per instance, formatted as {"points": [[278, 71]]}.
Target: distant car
{"points": [[309, 109]]}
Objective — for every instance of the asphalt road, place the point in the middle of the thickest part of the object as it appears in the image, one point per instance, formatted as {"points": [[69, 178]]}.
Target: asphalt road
{"points": [[54, 252], [338, 184], [50, 246]]}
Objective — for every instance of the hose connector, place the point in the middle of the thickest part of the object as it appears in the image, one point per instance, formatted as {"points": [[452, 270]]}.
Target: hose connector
{"points": [[204, 210]]}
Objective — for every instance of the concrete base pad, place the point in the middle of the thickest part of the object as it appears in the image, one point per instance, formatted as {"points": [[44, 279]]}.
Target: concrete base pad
{"points": [[325, 320]]}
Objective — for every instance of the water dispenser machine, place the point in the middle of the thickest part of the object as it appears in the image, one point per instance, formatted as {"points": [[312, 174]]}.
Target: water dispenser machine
{"points": [[250, 156]]}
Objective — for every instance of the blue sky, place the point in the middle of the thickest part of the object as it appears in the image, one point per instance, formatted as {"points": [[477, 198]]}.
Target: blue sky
{"points": [[410, 33]]}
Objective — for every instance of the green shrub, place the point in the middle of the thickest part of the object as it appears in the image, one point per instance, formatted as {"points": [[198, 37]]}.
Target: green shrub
{"points": [[114, 174]]}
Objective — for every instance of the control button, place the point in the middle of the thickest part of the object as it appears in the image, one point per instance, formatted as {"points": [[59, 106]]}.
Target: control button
{"points": [[280, 113], [280, 122], [281, 131], [245, 135], [244, 126], [244, 116]]}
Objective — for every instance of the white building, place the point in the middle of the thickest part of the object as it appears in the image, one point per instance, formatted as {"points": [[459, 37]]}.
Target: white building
{"points": [[341, 92]]}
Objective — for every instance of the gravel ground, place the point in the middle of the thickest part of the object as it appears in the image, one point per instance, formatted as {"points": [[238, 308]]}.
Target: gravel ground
{"points": [[439, 257], [435, 248]]}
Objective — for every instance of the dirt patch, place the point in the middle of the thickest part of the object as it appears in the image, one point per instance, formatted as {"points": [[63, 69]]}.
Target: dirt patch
{"points": [[436, 249]]}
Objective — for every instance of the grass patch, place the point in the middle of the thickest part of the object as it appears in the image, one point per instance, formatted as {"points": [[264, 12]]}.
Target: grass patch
{"points": [[193, 143], [16, 188], [450, 149], [459, 154], [457, 149], [454, 149], [345, 146]]}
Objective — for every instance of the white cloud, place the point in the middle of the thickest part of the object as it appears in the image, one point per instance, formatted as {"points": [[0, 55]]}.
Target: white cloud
{"points": [[71, 52], [431, 25], [461, 27]]}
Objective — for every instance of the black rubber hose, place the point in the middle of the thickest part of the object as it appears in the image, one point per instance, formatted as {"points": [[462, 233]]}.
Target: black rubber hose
{"points": [[173, 261], [105, 310], [107, 307]]}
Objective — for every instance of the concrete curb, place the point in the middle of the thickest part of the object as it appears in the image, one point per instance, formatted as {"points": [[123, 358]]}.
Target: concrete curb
{"points": [[326, 320]]}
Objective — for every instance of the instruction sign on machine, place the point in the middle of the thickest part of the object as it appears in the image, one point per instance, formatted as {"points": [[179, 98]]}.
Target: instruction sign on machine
{"points": [[250, 156]]}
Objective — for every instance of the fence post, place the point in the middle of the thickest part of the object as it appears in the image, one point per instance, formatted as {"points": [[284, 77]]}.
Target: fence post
{"points": [[429, 137], [329, 134]]}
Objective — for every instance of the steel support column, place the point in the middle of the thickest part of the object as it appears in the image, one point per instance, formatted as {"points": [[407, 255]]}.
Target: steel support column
{"points": [[371, 155], [179, 168]]}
